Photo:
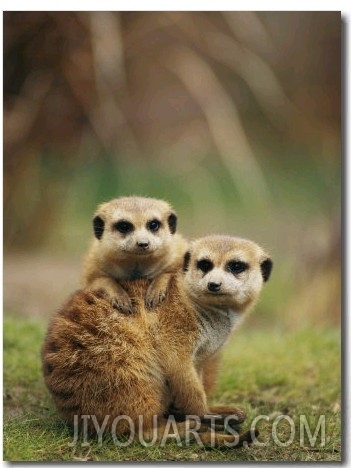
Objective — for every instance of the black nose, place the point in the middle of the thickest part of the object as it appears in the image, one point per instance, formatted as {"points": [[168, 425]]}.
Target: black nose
{"points": [[143, 245], [214, 287]]}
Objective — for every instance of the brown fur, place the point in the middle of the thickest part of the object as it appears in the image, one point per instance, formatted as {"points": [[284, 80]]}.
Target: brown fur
{"points": [[96, 361], [210, 373], [116, 256]]}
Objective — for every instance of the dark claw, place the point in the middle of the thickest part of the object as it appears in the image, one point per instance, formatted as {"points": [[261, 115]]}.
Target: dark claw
{"points": [[127, 310], [100, 293], [151, 303]]}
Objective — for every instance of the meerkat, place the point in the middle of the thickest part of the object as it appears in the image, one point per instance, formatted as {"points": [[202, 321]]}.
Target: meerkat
{"points": [[135, 237], [152, 363]]}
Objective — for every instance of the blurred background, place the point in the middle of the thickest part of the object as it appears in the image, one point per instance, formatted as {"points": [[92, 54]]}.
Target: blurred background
{"points": [[233, 117]]}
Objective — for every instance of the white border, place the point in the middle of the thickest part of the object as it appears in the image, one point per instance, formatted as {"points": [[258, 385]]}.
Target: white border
{"points": [[253, 5]]}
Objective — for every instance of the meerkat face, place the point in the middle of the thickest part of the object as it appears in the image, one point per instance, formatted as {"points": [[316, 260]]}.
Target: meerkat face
{"points": [[135, 226], [225, 271]]}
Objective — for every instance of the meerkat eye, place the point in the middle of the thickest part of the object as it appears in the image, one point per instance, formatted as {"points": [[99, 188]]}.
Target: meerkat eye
{"points": [[154, 225], [237, 267], [205, 265], [123, 226]]}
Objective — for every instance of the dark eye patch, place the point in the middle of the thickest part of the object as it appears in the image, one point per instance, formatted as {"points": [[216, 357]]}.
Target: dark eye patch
{"points": [[266, 268], [123, 226], [172, 222], [204, 265], [154, 225], [99, 226], [236, 266], [186, 261]]}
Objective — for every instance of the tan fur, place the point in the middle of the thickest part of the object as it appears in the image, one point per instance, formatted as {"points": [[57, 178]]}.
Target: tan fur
{"points": [[96, 361], [117, 256]]}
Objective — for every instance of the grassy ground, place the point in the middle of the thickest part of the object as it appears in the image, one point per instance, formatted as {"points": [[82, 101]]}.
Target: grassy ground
{"points": [[266, 372]]}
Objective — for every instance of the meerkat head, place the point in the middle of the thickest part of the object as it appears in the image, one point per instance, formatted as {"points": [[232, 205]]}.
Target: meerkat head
{"points": [[135, 225], [225, 271]]}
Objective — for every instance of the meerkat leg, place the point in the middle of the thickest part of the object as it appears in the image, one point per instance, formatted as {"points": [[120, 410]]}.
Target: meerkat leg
{"points": [[225, 417], [232, 416], [237, 415], [222, 417], [209, 373], [187, 389], [227, 441], [190, 398], [193, 430], [157, 290], [114, 292]]}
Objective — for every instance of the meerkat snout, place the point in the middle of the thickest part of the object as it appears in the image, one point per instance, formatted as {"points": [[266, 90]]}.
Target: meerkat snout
{"points": [[214, 287], [143, 245]]}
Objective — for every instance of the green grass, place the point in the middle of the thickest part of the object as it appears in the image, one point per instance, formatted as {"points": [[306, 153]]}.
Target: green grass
{"points": [[266, 372]]}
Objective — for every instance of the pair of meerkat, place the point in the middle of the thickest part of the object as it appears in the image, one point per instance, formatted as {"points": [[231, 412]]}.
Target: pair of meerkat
{"points": [[98, 362]]}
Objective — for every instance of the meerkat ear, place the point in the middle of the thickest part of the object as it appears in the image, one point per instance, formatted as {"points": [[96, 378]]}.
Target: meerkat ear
{"points": [[266, 268], [98, 225], [172, 222], [186, 261]]}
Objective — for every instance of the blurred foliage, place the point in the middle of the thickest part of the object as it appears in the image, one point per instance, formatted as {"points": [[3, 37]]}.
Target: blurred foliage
{"points": [[234, 117]]}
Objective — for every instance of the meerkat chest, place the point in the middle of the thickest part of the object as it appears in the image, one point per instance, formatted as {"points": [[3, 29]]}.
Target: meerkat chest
{"points": [[134, 269], [215, 327]]}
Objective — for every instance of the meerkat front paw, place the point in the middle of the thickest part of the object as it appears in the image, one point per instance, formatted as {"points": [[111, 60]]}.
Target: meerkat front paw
{"points": [[113, 292], [154, 297], [157, 291], [122, 304], [119, 301]]}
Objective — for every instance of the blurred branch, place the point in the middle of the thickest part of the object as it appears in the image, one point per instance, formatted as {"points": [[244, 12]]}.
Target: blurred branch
{"points": [[248, 28], [255, 71], [108, 51], [205, 193], [257, 74], [110, 79], [222, 117], [21, 116]]}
